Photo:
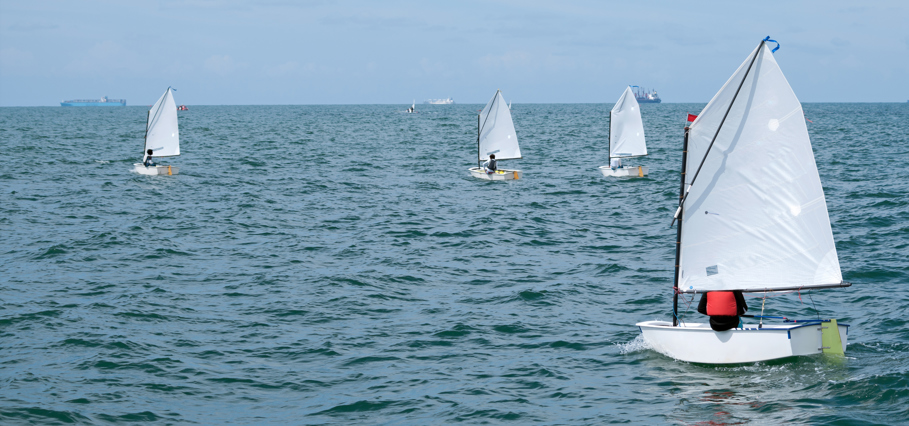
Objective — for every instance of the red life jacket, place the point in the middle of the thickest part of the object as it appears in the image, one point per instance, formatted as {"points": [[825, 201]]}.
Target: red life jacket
{"points": [[721, 303]]}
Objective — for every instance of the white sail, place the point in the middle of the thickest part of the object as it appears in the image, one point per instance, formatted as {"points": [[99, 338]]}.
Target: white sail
{"points": [[497, 135], [626, 130], [162, 135], [755, 217]]}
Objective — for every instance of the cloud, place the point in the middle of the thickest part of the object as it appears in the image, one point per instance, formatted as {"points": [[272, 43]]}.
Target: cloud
{"points": [[839, 42], [223, 64], [287, 68], [507, 60], [101, 58], [32, 26], [433, 67], [371, 21]]}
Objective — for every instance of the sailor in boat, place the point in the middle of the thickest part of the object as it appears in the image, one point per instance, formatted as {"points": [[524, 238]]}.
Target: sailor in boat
{"points": [[148, 161], [490, 164], [616, 163], [724, 308]]}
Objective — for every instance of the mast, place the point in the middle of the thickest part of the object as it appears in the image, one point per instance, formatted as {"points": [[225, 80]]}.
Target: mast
{"points": [[478, 140], [678, 238], [683, 194], [609, 137], [145, 139]]}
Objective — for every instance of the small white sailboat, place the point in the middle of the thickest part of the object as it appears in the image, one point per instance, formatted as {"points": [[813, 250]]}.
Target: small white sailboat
{"points": [[496, 136], [626, 137], [413, 107], [752, 217], [162, 136]]}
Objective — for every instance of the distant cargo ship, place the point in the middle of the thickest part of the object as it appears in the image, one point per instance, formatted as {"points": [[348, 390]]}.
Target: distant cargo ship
{"points": [[448, 101], [645, 97], [94, 102]]}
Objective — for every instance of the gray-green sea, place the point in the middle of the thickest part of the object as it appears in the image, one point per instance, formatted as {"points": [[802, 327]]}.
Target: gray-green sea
{"points": [[337, 265]]}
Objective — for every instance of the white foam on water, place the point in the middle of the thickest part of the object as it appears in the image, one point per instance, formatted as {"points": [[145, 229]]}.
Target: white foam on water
{"points": [[636, 345]]}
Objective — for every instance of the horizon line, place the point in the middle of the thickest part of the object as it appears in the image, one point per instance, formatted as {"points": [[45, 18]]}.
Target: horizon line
{"points": [[465, 103]]}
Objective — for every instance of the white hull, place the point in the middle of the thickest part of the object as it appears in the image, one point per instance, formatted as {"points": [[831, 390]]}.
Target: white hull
{"points": [[155, 170], [498, 175], [700, 344], [639, 171]]}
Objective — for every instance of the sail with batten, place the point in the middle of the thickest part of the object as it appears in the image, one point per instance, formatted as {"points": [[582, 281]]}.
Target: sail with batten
{"points": [[497, 135], [626, 129], [162, 135], [754, 217]]}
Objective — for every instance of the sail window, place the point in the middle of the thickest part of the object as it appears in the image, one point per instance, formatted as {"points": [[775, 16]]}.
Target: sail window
{"points": [[712, 270]]}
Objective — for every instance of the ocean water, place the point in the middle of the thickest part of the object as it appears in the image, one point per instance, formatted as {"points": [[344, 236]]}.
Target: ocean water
{"points": [[337, 265]]}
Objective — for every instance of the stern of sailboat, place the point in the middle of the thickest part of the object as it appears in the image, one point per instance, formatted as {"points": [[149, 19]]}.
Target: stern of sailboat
{"points": [[625, 171], [503, 174]]}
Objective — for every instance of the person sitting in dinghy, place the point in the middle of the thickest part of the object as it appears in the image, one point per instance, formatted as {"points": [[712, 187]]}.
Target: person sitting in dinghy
{"points": [[724, 308], [490, 164], [148, 161]]}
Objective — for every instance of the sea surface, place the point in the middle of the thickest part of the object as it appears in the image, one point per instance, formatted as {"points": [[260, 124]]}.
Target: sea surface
{"points": [[337, 265]]}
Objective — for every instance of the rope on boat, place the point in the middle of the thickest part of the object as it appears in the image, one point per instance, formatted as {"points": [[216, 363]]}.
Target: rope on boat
{"points": [[766, 294], [687, 307], [763, 301], [816, 312]]}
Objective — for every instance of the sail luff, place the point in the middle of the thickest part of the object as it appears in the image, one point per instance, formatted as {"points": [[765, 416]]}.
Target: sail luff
{"points": [[732, 102], [678, 235], [145, 138]]}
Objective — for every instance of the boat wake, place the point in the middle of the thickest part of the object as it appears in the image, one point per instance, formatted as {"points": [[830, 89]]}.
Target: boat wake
{"points": [[636, 345]]}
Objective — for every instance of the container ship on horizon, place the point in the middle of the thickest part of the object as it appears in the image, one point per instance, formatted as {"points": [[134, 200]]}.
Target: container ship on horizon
{"points": [[104, 101], [645, 97]]}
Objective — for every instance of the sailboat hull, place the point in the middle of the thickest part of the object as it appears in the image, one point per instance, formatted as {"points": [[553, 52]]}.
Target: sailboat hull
{"points": [[498, 175], [700, 344], [626, 171], [155, 170]]}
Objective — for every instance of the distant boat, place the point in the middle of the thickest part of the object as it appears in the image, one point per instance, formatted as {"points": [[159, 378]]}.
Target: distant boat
{"points": [[413, 107], [496, 135], [448, 101], [162, 135], [644, 97], [104, 101], [182, 108], [626, 137], [752, 217]]}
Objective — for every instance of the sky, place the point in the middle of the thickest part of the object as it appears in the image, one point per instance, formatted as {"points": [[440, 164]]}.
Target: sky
{"points": [[276, 52]]}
